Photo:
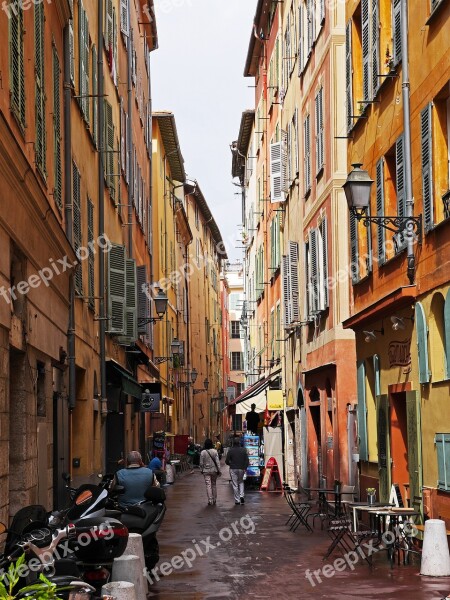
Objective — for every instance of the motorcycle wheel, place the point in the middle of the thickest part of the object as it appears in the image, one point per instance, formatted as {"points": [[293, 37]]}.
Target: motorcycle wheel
{"points": [[152, 554]]}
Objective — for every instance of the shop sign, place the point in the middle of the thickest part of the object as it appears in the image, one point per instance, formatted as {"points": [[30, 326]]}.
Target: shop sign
{"points": [[399, 353], [275, 399]]}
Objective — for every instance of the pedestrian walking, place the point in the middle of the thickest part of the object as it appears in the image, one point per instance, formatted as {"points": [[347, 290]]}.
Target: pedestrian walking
{"points": [[237, 460], [210, 467]]}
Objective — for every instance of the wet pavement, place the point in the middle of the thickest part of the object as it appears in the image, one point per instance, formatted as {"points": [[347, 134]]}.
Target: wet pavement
{"points": [[229, 551]]}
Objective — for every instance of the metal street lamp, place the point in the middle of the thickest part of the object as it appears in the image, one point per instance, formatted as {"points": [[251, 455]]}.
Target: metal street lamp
{"points": [[203, 389], [194, 375], [161, 301], [175, 347], [357, 191]]}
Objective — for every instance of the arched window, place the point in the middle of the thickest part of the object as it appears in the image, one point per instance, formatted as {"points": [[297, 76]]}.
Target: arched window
{"points": [[437, 338]]}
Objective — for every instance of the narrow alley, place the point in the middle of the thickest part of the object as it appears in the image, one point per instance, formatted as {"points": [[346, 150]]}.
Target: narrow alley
{"points": [[228, 551]]}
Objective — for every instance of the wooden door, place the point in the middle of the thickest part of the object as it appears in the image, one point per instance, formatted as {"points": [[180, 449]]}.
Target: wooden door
{"points": [[384, 455]]}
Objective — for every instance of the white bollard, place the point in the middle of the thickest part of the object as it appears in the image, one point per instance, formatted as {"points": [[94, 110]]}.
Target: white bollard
{"points": [[128, 568], [120, 590], [435, 554], [170, 473], [135, 547]]}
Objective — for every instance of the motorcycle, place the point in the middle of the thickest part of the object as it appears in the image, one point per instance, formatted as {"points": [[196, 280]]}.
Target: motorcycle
{"points": [[144, 518]]}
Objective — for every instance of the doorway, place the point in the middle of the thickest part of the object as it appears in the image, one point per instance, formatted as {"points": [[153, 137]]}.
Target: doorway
{"points": [[399, 440]]}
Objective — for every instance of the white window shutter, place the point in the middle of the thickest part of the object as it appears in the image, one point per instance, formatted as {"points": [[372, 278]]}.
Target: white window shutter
{"points": [[324, 264], [375, 47], [348, 74], [124, 17], [314, 271], [427, 166], [276, 182]]}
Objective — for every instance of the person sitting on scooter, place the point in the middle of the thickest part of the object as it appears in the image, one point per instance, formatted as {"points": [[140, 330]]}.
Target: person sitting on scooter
{"points": [[136, 479]]}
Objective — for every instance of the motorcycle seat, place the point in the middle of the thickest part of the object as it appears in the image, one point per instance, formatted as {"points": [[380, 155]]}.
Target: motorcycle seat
{"points": [[137, 521]]}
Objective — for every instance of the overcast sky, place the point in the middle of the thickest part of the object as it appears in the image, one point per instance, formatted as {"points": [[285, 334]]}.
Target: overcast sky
{"points": [[198, 75]]}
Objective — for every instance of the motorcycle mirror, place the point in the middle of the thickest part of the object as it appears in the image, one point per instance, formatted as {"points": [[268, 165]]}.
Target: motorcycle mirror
{"points": [[2, 528], [100, 475], [83, 497]]}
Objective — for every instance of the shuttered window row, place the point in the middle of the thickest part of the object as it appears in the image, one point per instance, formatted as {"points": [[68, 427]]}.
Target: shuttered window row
{"points": [[108, 144], [123, 295], [319, 130]]}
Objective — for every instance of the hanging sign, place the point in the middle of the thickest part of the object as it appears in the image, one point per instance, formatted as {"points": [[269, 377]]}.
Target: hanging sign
{"points": [[275, 399]]}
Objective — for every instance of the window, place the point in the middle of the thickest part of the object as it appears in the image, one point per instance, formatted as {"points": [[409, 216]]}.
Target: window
{"points": [[77, 223], [83, 55], [317, 270], [57, 159], [237, 361], [40, 143], [275, 257], [235, 299], [16, 64], [235, 329], [109, 150], [278, 160], [319, 131], [124, 17], [422, 343], [122, 295], [442, 441], [307, 150], [94, 96], [196, 216], [290, 285]]}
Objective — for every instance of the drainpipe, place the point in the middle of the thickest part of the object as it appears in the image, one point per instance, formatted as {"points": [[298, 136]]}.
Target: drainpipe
{"points": [[101, 222], [130, 136], [68, 214], [411, 259]]}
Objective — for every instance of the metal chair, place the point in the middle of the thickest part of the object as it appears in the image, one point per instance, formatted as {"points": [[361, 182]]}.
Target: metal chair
{"points": [[299, 510]]}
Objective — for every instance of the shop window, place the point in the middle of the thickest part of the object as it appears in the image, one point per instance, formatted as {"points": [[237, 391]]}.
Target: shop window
{"points": [[437, 338]]}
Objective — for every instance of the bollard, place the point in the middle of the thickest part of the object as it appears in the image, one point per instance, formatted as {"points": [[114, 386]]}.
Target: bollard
{"points": [[128, 568], [170, 473], [435, 554], [120, 590], [136, 548]]}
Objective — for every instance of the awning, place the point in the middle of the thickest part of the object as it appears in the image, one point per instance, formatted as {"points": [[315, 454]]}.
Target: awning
{"points": [[255, 394], [124, 378]]}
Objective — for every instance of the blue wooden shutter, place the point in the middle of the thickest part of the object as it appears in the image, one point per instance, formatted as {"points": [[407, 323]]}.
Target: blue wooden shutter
{"points": [[354, 254], [447, 334], [348, 74], [427, 166], [400, 185], [442, 441], [422, 343], [362, 411], [381, 231], [375, 47], [365, 25], [376, 370], [397, 31], [130, 301]]}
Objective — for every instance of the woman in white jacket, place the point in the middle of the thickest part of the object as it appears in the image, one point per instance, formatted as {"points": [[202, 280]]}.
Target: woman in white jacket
{"points": [[210, 467]]}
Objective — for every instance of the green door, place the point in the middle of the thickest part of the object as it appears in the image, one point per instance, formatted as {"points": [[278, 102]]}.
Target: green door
{"points": [[414, 446], [384, 455]]}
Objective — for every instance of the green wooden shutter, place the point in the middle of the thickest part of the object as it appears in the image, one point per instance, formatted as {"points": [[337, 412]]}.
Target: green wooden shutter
{"points": [[414, 444], [384, 454], [376, 370], [293, 270], [319, 130], [369, 255], [381, 231], [365, 27], [57, 159], [131, 333], [314, 270], [40, 142], [447, 333], [16, 61], [442, 441], [397, 31], [362, 411], [422, 343], [77, 224], [116, 289], [324, 234], [375, 47], [348, 74], [354, 252], [400, 185], [91, 258], [427, 166], [109, 145]]}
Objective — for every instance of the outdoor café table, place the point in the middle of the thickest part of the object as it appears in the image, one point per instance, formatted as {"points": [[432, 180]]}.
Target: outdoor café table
{"points": [[323, 505], [366, 507], [400, 541]]}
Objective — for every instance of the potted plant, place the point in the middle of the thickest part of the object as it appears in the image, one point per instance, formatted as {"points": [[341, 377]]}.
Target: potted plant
{"points": [[371, 495], [42, 589]]}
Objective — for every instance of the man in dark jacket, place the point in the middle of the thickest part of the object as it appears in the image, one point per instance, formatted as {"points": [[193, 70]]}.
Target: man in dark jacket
{"points": [[237, 460]]}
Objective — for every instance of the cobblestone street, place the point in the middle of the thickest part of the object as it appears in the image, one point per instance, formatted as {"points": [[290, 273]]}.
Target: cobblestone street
{"points": [[227, 562]]}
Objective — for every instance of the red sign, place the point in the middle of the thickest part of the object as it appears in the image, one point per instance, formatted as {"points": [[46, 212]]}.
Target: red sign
{"points": [[271, 472]]}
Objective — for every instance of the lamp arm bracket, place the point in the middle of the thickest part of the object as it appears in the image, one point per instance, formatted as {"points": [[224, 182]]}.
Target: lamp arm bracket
{"points": [[396, 224]]}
